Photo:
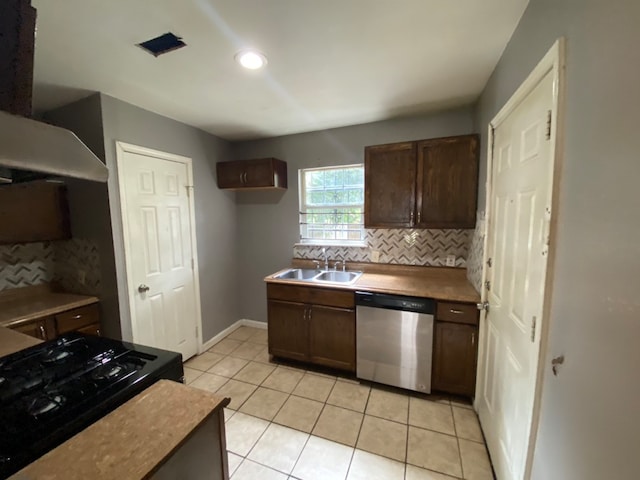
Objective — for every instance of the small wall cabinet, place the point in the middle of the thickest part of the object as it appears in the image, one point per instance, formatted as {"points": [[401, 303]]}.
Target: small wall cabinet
{"points": [[455, 348], [312, 325], [422, 184], [34, 212], [261, 173]]}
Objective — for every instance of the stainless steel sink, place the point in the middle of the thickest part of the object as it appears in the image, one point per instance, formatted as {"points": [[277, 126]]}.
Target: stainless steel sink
{"points": [[298, 274], [320, 276], [337, 276]]}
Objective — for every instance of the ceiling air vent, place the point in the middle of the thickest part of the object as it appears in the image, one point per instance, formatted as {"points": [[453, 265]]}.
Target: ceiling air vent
{"points": [[163, 44]]}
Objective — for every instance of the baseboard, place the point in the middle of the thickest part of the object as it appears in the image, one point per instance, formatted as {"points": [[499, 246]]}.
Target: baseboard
{"points": [[243, 322]]}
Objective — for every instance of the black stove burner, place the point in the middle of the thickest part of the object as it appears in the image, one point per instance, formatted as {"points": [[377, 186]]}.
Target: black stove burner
{"points": [[56, 356], [44, 404], [110, 371]]}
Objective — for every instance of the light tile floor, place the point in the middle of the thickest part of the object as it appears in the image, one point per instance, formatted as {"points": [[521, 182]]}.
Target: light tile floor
{"points": [[285, 422]]}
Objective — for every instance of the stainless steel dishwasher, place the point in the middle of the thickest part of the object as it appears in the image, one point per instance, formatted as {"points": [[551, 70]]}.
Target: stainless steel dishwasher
{"points": [[394, 340]]}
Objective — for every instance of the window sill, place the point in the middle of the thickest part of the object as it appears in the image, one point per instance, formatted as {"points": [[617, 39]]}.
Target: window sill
{"points": [[326, 243]]}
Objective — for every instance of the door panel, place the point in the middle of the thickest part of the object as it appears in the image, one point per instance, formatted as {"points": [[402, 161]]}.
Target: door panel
{"points": [[517, 245], [332, 337], [158, 223], [390, 185], [288, 330]]}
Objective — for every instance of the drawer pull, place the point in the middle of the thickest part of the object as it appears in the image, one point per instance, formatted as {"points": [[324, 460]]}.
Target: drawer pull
{"points": [[456, 311], [43, 334], [76, 317]]}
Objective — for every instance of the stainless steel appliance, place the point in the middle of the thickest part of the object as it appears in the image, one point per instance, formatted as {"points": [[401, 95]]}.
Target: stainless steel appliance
{"points": [[394, 340], [52, 391]]}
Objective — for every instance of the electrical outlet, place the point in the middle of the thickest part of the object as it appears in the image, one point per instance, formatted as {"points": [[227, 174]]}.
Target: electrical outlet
{"points": [[82, 276], [451, 261], [375, 256]]}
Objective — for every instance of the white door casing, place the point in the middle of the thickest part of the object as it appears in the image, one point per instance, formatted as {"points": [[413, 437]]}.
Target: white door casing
{"points": [[160, 248], [520, 207]]}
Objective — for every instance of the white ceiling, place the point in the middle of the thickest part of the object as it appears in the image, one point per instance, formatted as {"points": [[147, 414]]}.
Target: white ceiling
{"points": [[331, 62]]}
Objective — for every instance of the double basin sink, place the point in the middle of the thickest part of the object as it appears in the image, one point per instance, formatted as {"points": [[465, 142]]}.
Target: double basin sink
{"points": [[319, 276]]}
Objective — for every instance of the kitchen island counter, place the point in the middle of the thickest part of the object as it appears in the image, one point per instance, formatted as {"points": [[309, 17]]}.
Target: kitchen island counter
{"points": [[150, 436], [11, 341]]}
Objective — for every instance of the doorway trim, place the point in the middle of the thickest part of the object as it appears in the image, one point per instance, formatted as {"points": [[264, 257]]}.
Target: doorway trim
{"points": [[554, 62], [121, 149]]}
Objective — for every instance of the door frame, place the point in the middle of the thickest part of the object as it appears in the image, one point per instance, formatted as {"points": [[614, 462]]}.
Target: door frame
{"points": [[121, 149], [554, 62]]}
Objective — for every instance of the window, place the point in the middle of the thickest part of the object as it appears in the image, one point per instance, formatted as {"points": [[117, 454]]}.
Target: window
{"points": [[332, 205]]}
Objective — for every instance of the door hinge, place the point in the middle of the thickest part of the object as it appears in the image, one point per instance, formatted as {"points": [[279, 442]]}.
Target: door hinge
{"points": [[189, 188], [487, 285], [489, 262], [533, 328], [549, 125]]}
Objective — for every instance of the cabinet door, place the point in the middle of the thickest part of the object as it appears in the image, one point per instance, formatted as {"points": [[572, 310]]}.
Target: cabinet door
{"points": [[454, 358], [41, 328], [33, 212], [447, 182], [389, 185], [288, 329], [93, 329], [230, 174], [332, 337]]}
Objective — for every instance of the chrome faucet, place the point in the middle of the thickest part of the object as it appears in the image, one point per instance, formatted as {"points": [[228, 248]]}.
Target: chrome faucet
{"points": [[326, 258]]}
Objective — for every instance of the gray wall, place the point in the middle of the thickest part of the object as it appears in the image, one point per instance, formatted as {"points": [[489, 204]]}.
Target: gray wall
{"points": [[589, 420], [89, 203], [268, 221], [215, 209]]}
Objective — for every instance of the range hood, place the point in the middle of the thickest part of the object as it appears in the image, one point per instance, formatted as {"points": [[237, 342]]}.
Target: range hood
{"points": [[27, 144]]}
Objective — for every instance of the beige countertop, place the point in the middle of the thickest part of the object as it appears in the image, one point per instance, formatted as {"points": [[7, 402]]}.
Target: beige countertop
{"points": [[22, 305], [11, 341], [133, 441], [431, 282]]}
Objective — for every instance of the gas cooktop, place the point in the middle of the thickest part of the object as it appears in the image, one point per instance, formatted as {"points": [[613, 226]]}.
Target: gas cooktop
{"points": [[52, 391]]}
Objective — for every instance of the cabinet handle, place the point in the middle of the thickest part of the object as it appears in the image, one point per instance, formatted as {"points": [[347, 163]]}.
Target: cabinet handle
{"points": [[473, 339], [77, 317], [43, 334], [242, 178], [455, 311], [98, 332], [245, 177], [411, 219], [419, 217]]}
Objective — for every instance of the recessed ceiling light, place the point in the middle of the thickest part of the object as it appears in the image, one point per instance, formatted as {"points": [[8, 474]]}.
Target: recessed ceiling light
{"points": [[251, 59]]}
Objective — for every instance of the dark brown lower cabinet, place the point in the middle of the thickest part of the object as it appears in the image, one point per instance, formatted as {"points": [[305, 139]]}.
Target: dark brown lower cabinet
{"points": [[332, 337], [288, 330], [83, 319], [300, 329], [455, 352]]}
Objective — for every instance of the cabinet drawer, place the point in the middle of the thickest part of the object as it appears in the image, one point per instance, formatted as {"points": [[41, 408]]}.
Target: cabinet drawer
{"points": [[77, 318], [316, 296], [457, 312], [93, 329]]}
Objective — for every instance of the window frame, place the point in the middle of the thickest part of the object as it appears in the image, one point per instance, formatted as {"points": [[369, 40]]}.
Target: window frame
{"points": [[304, 240]]}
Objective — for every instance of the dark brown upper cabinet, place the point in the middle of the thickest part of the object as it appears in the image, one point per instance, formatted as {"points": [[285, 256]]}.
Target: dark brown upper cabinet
{"points": [[34, 212], [422, 184], [260, 173]]}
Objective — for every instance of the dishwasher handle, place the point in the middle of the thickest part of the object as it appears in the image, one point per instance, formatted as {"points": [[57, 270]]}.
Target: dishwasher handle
{"points": [[396, 302]]}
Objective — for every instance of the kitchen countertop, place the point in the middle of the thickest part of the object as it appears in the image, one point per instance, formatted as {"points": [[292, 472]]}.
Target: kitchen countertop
{"points": [[134, 440], [11, 341], [439, 283], [22, 305]]}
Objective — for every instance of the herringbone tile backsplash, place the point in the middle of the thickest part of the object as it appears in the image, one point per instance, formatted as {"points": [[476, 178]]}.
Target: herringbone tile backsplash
{"points": [[400, 246], [29, 264], [476, 252]]}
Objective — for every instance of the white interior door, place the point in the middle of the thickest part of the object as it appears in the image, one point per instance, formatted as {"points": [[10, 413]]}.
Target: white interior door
{"points": [[158, 246], [518, 232]]}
